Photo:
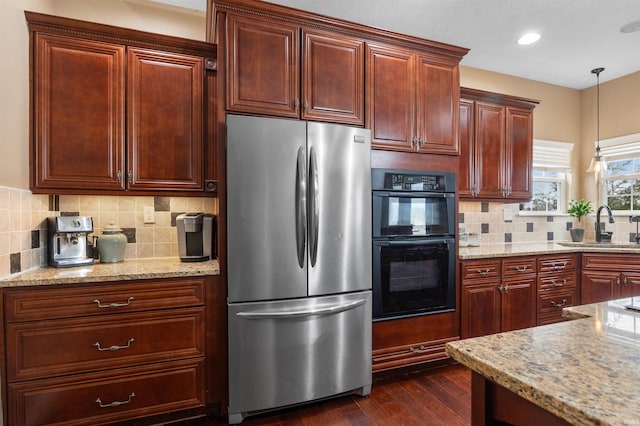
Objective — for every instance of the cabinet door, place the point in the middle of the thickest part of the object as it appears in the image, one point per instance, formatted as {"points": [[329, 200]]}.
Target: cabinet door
{"points": [[489, 152], [599, 286], [518, 303], [333, 78], [78, 114], [165, 120], [262, 67], [519, 153], [437, 101], [630, 285], [466, 169], [480, 308], [390, 97]]}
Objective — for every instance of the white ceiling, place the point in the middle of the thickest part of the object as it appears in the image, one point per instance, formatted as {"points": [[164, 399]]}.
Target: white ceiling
{"points": [[577, 35]]}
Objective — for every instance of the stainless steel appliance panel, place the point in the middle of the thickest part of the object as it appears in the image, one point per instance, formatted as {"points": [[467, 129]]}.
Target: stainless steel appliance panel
{"points": [[266, 205], [288, 352], [339, 214]]}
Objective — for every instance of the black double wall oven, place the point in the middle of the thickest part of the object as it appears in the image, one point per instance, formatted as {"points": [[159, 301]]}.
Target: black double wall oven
{"points": [[413, 242]]}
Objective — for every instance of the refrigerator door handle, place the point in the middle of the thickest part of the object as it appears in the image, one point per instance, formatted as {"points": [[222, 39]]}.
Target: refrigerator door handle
{"points": [[313, 207], [301, 207], [328, 310]]}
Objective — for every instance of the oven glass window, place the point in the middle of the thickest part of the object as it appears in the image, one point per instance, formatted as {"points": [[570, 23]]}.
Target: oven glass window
{"points": [[414, 278], [414, 216]]}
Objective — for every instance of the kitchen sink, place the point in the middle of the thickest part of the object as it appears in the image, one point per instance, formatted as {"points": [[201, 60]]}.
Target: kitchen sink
{"points": [[603, 245]]}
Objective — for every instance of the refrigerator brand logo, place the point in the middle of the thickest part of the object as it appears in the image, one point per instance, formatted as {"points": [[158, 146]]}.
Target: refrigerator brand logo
{"points": [[359, 139]]}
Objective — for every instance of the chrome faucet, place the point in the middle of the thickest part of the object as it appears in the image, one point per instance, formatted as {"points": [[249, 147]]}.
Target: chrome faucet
{"points": [[601, 234]]}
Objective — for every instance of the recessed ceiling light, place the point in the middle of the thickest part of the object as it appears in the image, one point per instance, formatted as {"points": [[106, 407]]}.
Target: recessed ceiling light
{"points": [[631, 27], [529, 38]]}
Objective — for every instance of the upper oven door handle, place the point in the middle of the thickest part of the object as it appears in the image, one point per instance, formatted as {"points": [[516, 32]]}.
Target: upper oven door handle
{"points": [[413, 242], [414, 194]]}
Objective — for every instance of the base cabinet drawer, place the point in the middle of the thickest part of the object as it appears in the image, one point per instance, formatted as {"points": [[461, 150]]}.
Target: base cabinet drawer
{"points": [[402, 356], [108, 397], [551, 303]]}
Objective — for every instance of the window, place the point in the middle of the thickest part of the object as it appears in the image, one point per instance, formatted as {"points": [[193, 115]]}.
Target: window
{"points": [[551, 175], [620, 183]]}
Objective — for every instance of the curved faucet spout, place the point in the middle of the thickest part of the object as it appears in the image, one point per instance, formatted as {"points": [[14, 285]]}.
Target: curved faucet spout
{"points": [[600, 232]]}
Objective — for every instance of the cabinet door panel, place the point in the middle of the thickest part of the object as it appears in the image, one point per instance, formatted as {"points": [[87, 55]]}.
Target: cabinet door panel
{"points": [[630, 284], [165, 116], [438, 96], [480, 309], [519, 153], [263, 61], [518, 303], [466, 169], [79, 114], [390, 97], [333, 78], [598, 286], [489, 151]]}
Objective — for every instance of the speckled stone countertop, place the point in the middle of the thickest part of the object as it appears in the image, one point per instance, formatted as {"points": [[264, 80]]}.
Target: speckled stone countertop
{"points": [[169, 267], [486, 251], [584, 371]]}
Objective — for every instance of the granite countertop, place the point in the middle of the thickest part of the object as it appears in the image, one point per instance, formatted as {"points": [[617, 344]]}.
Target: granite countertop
{"points": [[133, 269], [486, 251], [584, 371]]}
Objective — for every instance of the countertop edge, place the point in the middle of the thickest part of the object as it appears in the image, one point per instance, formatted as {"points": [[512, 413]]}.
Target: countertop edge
{"points": [[129, 270]]}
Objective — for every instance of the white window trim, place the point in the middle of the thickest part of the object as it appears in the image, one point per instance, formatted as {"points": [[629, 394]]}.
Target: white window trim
{"points": [[625, 146]]}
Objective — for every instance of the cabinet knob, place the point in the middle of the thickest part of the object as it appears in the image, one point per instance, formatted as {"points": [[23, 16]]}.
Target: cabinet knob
{"points": [[119, 176], [297, 104]]}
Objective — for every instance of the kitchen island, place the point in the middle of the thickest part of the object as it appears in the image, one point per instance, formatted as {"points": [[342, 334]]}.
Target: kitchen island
{"points": [[582, 372]]}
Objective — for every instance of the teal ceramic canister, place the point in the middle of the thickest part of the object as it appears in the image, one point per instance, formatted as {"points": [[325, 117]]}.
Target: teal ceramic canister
{"points": [[111, 244]]}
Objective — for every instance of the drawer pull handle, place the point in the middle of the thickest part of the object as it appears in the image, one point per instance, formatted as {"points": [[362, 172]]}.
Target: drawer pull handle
{"points": [[114, 305], [419, 349], [520, 268], [559, 305], [114, 347], [556, 284], [559, 267], [115, 403], [485, 272]]}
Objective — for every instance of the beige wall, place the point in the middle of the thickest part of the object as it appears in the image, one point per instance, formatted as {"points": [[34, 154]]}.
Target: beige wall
{"points": [[14, 74]]}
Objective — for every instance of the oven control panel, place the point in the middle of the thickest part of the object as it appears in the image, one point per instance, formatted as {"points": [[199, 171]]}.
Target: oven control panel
{"points": [[412, 180], [402, 182]]}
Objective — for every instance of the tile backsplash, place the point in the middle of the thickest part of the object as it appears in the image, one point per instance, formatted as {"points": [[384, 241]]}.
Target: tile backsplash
{"points": [[23, 223], [501, 223]]}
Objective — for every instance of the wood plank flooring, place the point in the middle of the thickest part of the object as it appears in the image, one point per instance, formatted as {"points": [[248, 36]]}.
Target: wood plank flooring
{"points": [[437, 396]]}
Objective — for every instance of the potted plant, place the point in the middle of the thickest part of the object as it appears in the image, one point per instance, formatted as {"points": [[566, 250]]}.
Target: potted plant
{"points": [[578, 209]]}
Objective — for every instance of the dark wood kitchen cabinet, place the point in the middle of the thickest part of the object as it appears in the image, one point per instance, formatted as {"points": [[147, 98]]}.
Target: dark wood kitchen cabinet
{"points": [[497, 295], [116, 109], [609, 276], [496, 146], [557, 286], [412, 100], [98, 353], [276, 67]]}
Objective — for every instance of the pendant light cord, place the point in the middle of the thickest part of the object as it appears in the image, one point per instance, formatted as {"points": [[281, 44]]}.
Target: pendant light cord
{"points": [[597, 72]]}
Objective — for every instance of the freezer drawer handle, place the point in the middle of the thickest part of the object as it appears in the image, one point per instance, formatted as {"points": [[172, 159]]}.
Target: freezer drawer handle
{"points": [[115, 403], [304, 313], [113, 305], [114, 347]]}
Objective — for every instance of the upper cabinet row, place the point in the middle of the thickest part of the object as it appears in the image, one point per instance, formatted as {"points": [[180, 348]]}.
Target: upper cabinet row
{"points": [[119, 110], [290, 63]]}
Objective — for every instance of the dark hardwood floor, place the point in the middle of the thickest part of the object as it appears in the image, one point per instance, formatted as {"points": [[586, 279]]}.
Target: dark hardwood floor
{"points": [[437, 396]]}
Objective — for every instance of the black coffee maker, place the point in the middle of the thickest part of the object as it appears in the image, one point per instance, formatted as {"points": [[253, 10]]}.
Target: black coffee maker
{"points": [[196, 236]]}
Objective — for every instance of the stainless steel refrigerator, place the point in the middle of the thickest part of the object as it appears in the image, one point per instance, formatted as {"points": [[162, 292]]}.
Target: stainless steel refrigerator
{"points": [[299, 262]]}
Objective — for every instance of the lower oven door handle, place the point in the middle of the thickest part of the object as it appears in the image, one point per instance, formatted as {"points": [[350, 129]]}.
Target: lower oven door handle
{"points": [[333, 309]]}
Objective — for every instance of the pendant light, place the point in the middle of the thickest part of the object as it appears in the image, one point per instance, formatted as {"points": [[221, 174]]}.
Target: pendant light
{"points": [[597, 163]]}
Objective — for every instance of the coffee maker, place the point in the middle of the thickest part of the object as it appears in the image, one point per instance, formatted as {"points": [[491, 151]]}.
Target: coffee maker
{"points": [[196, 236], [68, 240]]}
